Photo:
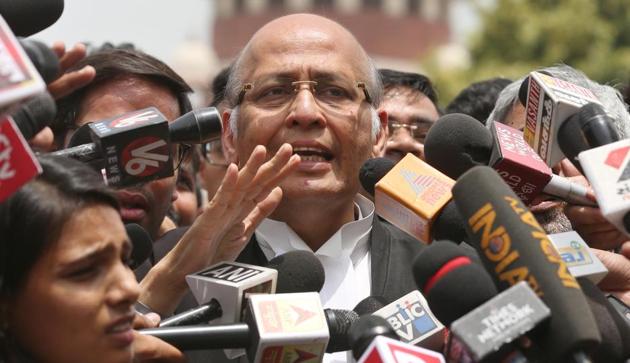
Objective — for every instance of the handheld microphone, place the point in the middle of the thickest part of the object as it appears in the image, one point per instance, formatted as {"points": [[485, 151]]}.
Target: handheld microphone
{"points": [[44, 59], [607, 169], [414, 197], [578, 256], [18, 164], [298, 271], [370, 305], [550, 127], [388, 350], [413, 321], [135, 147], [141, 242], [19, 79], [363, 332], [27, 17], [459, 142], [279, 327], [514, 248], [35, 114]]}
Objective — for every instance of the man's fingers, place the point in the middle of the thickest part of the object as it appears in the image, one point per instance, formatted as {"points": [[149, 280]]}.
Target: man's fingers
{"points": [[618, 277], [255, 161], [143, 321], [262, 210], [582, 215], [70, 82], [59, 48], [72, 56]]}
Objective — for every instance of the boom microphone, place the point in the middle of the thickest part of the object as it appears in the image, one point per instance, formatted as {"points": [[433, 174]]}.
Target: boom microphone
{"points": [[141, 242], [514, 248], [35, 114]]}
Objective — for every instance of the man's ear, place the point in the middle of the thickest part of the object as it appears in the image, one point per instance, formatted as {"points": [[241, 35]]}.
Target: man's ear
{"points": [[228, 139], [383, 134]]}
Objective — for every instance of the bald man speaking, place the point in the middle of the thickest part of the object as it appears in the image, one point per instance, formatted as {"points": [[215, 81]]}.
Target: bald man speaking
{"points": [[306, 81]]}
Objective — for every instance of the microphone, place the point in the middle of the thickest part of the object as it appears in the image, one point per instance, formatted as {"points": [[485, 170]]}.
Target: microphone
{"points": [[413, 321], [135, 147], [298, 271], [27, 17], [363, 332], [459, 142], [452, 283], [18, 164], [141, 242], [606, 168], [550, 127], [426, 217], [388, 350], [615, 331], [578, 256], [370, 305], [279, 327], [35, 114], [514, 248], [44, 59]]}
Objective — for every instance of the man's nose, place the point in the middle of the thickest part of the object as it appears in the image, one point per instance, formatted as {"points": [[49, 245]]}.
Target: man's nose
{"points": [[305, 112], [401, 142]]}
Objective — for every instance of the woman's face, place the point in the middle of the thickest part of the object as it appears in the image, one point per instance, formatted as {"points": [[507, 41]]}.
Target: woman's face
{"points": [[77, 303]]}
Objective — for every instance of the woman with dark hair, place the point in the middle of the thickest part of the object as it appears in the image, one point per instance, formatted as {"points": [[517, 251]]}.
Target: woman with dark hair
{"points": [[66, 293]]}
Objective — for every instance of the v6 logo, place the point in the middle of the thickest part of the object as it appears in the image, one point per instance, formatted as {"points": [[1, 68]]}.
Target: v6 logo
{"points": [[145, 156]]}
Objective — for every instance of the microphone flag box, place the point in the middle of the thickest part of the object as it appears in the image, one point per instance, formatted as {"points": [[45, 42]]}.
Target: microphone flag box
{"points": [[135, 146], [411, 195], [288, 328], [413, 321], [18, 164], [578, 256], [550, 101], [388, 350], [499, 321], [608, 170], [18, 77], [231, 283], [517, 163]]}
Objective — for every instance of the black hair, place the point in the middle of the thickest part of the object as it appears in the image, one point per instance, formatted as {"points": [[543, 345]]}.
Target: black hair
{"points": [[478, 99], [31, 220], [414, 81], [219, 83], [109, 64]]}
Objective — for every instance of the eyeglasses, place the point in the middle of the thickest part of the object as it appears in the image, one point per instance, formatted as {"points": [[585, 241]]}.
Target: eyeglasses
{"points": [[418, 130], [213, 153], [336, 95]]}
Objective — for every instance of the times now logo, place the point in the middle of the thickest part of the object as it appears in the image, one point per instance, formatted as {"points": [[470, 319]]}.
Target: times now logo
{"points": [[145, 156]]}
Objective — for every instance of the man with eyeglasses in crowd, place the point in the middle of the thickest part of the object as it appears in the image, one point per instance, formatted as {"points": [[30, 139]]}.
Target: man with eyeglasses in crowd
{"points": [[305, 80], [411, 104]]}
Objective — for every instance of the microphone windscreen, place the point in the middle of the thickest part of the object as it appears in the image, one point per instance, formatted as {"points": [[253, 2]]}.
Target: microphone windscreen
{"points": [[27, 17], [514, 248], [196, 127], [43, 58], [339, 323], [298, 271], [82, 135], [448, 225], [364, 330], [450, 281], [141, 242], [615, 346], [372, 171], [456, 143], [35, 114], [370, 304]]}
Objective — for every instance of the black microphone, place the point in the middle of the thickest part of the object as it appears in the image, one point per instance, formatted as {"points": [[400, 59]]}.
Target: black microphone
{"points": [[35, 114], [589, 128], [615, 331], [298, 271], [141, 242], [370, 305], [514, 248], [43, 58], [447, 224], [451, 282], [364, 330], [459, 142], [27, 17]]}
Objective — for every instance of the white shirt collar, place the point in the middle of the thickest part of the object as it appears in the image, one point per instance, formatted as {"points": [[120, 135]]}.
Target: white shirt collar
{"points": [[276, 238]]}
